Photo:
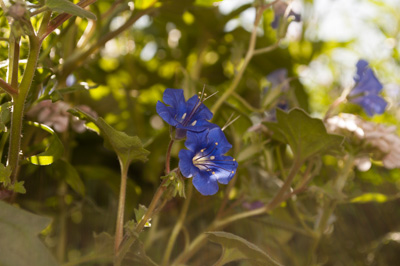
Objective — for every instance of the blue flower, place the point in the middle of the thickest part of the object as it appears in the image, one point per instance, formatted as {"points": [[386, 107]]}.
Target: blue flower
{"points": [[184, 116], [205, 160], [366, 91]]}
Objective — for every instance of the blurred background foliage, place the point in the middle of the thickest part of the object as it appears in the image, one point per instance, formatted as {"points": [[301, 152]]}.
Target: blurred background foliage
{"points": [[190, 44]]}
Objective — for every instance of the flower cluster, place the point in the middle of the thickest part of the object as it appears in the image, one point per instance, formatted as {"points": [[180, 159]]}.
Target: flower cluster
{"points": [[367, 89], [204, 161], [376, 139]]}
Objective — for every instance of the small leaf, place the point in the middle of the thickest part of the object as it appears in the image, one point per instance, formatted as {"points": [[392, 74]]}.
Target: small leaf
{"points": [[237, 248], [140, 212], [53, 152], [306, 136], [19, 243], [128, 148], [65, 6], [18, 187], [370, 197]]}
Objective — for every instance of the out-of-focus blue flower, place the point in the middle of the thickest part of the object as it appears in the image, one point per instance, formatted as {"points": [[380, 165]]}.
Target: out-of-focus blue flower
{"points": [[279, 78], [279, 12], [205, 162], [366, 91], [184, 116]]}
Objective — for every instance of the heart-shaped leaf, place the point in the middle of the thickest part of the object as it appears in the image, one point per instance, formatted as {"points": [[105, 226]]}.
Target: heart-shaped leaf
{"points": [[306, 136]]}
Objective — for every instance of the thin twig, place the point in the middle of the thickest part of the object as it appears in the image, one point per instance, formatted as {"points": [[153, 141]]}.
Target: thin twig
{"points": [[7, 87]]}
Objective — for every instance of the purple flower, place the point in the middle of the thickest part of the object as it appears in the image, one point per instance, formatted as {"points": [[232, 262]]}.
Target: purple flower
{"points": [[366, 91], [205, 162], [279, 12], [184, 116], [279, 78]]}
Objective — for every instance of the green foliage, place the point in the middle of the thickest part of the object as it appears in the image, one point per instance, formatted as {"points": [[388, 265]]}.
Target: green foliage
{"points": [[65, 6], [128, 148], [54, 150], [306, 136], [63, 170], [19, 243], [237, 248]]}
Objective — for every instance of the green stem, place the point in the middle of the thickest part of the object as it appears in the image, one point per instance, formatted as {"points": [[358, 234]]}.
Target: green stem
{"points": [[13, 54], [247, 58], [75, 61], [119, 231], [330, 208], [122, 248], [62, 241], [7, 87], [168, 157], [178, 226], [19, 102], [200, 240]]}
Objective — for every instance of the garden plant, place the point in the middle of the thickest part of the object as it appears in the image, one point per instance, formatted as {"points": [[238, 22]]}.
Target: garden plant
{"points": [[195, 132]]}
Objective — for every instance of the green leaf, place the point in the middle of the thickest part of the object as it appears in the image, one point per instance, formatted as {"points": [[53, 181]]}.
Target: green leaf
{"points": [[306, 136], [206, 2], [18, 187], [128, 148], [65, 6], [54, 150], [5, 115], [140, 212], [237, 248], [65, 171], [370, 197], [19, 243]]}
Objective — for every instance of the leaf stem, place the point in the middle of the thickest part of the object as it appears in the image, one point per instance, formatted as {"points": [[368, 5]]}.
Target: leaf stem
{"points": [[247, 58], [331, 204], [19, 102], [168, 157], [178, 226], [119, 231]]}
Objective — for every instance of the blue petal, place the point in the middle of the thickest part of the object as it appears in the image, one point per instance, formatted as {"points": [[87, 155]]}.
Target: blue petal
{"points": [[362, 65], [196, 140], [225, 168], [167, 113], [201, 113], [216, 135], [186, 164], [173, 96], [200, 126], [205, 183], [372, 104], [367, 84], [176, 99]]}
